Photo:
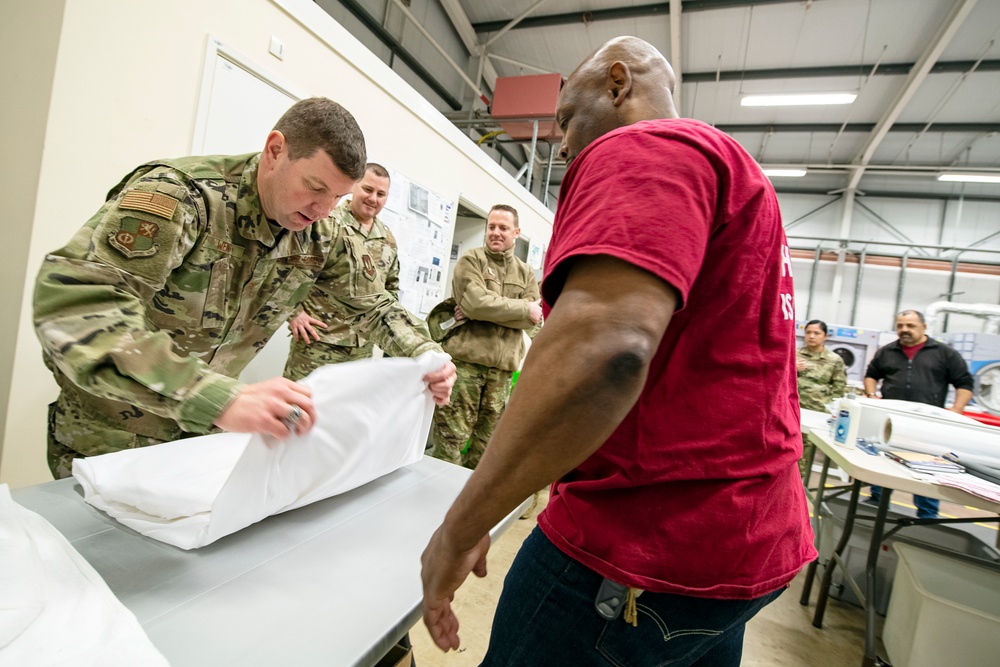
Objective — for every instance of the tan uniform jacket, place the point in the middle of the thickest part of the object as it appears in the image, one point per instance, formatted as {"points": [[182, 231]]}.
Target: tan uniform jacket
{"points": [[494, 291]]}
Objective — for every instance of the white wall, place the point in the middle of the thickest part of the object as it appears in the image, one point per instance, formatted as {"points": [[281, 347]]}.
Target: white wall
{"points": [[22, 134], [121, 97], [878, 294], [931, 222]]}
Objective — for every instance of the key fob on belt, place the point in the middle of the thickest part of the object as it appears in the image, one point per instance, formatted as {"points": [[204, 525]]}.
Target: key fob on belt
{"points": [[610, 599]]}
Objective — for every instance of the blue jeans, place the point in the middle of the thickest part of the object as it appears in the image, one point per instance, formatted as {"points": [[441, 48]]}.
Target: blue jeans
{"points": [[927, 508], [546, 616]]}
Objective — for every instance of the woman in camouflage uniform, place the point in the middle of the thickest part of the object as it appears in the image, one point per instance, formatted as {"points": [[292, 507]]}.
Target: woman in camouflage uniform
{"points": [[822, 377]]}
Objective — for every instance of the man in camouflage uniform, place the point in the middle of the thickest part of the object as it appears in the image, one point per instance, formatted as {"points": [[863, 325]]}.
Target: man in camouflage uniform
{"points": [[158, 303], [373, 268], [822, 378], [496, 298]]}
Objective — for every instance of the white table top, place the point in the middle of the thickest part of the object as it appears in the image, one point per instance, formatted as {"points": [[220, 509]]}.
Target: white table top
{"points": [[881, 471], [334, 583], [814, 419]]}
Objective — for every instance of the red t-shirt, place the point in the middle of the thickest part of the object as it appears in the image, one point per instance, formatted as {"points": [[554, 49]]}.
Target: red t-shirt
{"points": [[697, 491], [911, 350]]}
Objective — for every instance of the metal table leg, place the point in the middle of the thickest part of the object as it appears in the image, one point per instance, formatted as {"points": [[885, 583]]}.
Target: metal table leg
{"points": [[824, 588], [817, 507], [869, 659]]}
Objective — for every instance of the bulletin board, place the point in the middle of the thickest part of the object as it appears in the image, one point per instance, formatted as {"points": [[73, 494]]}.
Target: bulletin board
{"points": [[422, 222]]}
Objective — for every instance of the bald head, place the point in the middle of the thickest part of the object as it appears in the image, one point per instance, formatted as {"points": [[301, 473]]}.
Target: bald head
{"points": [[646, 63], [625, 81]]}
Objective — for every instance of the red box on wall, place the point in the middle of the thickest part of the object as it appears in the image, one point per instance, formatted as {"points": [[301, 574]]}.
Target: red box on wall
{"points": [[533, 96]]}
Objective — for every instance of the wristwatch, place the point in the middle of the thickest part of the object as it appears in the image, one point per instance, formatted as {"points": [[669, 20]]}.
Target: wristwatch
{"points": [[870, 394]]}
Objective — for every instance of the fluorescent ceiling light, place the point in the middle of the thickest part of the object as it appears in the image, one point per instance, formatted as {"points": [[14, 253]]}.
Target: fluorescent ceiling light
{"points": [[797, 99], [970, 178], [784, 173]]}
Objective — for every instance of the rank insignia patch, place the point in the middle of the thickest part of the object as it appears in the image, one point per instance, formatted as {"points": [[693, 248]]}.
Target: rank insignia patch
{"points": [[135, 238], [369, 267]]}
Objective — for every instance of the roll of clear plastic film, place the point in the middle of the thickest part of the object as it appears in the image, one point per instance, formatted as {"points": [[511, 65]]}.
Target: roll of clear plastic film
{"points": [[929, 429]]}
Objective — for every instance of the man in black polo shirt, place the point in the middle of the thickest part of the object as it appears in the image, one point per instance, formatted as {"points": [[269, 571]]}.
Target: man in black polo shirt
{"points": [[917, 368]]}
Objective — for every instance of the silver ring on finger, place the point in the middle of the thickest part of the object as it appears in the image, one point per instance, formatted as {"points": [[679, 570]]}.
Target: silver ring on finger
{"points": [[292, 419]]}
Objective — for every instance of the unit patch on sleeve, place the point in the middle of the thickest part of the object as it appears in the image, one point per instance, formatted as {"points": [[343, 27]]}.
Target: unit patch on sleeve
{"points": [[158, 204], [135, 238]]}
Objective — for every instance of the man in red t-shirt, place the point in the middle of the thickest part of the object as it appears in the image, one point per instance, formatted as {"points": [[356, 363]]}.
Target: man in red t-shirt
{"points": [[674, 458]]}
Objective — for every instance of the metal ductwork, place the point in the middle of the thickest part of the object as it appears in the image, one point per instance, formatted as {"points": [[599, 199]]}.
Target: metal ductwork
{"points": [[989, 312]]}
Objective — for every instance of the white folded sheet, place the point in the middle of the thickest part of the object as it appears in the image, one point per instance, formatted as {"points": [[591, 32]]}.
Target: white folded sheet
{"points": [[373, 417], [55, 610]]}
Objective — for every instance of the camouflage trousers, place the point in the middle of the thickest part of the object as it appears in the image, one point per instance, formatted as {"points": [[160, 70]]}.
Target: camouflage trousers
{"points": [[807, 448], [304, 358], [477, 400], [75, 433]]}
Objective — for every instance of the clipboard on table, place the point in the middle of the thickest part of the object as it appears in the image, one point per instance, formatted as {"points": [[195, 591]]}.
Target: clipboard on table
{"points": [[925, 463]]}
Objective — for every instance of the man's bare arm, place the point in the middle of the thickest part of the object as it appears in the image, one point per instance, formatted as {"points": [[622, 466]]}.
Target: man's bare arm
{"points": [[584, 372]]}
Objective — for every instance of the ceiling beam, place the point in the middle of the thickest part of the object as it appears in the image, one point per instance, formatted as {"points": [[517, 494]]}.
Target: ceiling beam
{"points": [[893, 195], [514, 23], [461, 120], [460, 20], [655, 9], [519, 63], [825, 192], [402, 5], [883, 69], [859, 127], [959, 11], [397, 48]]}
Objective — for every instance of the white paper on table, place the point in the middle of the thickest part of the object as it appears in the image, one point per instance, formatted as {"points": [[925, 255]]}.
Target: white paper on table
{"points": [[971, 484], [373, 417], [55, 610]]}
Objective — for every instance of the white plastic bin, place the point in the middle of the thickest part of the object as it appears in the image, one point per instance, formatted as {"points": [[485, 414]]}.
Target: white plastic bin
{"points": [[943, 611]]}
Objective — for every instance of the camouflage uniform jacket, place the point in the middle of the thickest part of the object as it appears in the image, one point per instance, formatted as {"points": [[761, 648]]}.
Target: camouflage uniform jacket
{"points": [[374, 262], [824, 378], [163, 297], [493, 290]]}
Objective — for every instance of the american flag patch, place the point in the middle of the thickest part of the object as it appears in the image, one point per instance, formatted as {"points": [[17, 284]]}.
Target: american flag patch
{"points": [[158, 204]]}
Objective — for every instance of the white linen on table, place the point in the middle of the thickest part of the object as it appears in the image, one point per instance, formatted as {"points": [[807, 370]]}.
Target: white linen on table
{"points": [[55, 610], [373, 417]]}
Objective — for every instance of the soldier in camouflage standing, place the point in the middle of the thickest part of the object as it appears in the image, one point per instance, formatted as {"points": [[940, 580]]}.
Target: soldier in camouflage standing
{"points": [[157, 304], [375, 268], [822, 377], [496, 298]]}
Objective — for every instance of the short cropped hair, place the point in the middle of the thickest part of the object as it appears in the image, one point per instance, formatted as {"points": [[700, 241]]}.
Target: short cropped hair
{"points": [[321, 124], [820, 323], [920, 316], [378, 170], [508, 209]]}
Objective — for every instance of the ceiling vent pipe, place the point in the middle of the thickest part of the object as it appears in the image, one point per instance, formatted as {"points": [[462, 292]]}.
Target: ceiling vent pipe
{"points": [[989, 312]]}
